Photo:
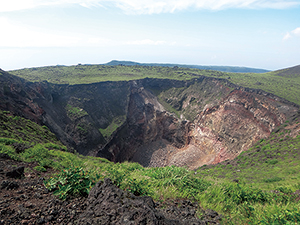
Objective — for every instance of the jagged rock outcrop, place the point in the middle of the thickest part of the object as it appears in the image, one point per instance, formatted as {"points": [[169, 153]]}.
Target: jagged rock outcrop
{"points": [[154, 122]]}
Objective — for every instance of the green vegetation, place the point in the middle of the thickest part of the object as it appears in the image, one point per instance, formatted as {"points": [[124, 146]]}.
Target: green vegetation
{"points": [[272, 166], [83, 74], [25, 131], [288, 88], [285, 87], [256, 188], [75, 112], [235, 69], [117, 122], [73, 181]]}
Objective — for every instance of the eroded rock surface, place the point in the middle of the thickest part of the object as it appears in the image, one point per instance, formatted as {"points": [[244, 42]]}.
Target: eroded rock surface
{"points": [[220, 130]]}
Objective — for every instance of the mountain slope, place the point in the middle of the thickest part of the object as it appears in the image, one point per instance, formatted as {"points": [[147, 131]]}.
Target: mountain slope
{"points": [[292, 72]]}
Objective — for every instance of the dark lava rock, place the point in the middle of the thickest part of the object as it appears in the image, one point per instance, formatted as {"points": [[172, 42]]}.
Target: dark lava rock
{"points": [[107, 204], [16, 173], [4, 156], [9, 185]]}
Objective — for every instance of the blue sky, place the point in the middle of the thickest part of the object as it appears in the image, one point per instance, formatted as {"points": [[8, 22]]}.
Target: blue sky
{"points": [[253, 33]]}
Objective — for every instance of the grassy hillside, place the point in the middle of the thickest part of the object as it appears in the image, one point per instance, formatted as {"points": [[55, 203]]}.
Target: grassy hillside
{"points": [[269, 163], [258, 187], [287, 87], [234, 69], [82, 74]]}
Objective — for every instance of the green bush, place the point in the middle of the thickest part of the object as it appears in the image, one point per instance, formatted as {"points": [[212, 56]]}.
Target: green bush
{"points": [[267, 146], [73, 181], [137, 187], [10, 151]]}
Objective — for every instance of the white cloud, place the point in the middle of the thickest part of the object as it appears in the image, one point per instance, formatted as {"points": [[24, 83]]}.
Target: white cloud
{"points": [[296, 31], [146, 42], [152, 6], [293, 33]]}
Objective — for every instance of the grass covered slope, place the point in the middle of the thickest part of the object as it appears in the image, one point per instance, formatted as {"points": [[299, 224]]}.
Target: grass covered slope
{"points": [[235, 69], [271, 162], [24, 130], [22, 139], [261, 186], [285, 87], [284, 83], [84, 74], [269, 168]]}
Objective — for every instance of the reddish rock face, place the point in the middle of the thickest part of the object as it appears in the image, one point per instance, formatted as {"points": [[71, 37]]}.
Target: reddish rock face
{"points": [[240, 120], [155, 137]]}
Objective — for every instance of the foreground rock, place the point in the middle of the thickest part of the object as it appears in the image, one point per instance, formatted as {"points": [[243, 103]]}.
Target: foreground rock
{"points": [[25, 200], [108, 204]]}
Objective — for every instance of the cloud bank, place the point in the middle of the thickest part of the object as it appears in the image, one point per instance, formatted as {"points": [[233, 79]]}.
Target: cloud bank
{"points": [[151, 6]]}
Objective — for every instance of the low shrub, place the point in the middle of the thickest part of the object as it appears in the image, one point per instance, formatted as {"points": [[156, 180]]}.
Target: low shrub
{"points": [[73, 181]]}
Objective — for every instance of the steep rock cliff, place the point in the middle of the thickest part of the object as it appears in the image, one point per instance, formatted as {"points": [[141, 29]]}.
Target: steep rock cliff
{"points": [[75, 113], [221, 127], [147, 122]]}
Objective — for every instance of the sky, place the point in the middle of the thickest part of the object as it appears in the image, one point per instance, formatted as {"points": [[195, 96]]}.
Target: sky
{"points": [[252, 33]]}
